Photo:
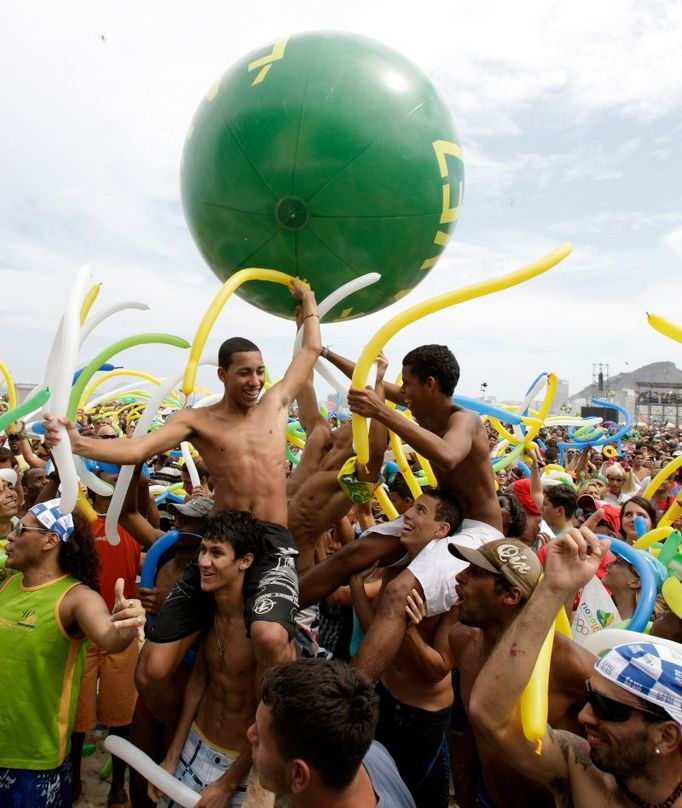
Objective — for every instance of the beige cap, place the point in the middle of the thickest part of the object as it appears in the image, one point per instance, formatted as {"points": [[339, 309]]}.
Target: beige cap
{"points": [[509, 557]]}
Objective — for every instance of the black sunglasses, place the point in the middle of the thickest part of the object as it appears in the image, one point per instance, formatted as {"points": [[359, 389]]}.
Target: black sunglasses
{"points": [[607, 709]]}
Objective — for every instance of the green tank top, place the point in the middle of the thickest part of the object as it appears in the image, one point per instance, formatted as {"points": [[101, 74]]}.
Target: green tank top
{"points": [[40, 674]]}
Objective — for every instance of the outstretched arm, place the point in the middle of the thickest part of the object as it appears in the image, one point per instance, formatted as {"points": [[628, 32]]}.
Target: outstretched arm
{"points": [[123, 451], [445, 452], [346, 366], [572, 560], [318, 583], [113, 632]]}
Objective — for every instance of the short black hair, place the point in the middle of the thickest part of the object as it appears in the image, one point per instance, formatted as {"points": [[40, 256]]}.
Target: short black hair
{"points": [[447, 508], [551, 454], [400, 487], [232, 346], [562, 495], [437, 361], [324, 712], [237, 528]]}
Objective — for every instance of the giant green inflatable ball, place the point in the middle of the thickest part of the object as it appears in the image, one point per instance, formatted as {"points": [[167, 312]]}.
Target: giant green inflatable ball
{"points": [[326, 156]]}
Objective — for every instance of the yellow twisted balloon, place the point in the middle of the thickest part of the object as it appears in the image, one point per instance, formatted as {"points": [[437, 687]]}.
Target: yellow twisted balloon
{"points": [[385, 501], [110, 374], [401, 458], [231, 285], [665, 327], [88, 300], [662, 476], [392, 327], [11, 391]]}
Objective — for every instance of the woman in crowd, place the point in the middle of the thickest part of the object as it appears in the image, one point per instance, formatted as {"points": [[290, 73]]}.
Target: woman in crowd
{"points": [[636, 506], [49, 608]]}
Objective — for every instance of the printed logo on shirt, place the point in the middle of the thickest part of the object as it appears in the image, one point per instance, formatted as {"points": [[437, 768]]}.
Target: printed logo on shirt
{"points": [[29, 619]]}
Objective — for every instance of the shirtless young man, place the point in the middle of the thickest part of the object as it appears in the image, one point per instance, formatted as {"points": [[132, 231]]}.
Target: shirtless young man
{"points": [[328, 481], [415, 702], [632, 753], [209, 746], [492, 591], [454, 440], [240, 440]]}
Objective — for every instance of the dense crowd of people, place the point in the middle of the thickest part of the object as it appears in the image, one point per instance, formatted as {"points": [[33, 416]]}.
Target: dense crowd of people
{"points": [[309, 639]]}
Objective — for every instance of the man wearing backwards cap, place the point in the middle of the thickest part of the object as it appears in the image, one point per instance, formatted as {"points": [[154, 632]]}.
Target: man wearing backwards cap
{"points": [[632, 754], [492, 591]]}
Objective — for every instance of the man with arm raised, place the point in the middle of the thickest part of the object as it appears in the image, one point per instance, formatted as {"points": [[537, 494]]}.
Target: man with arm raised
{"points": [[632, 754], [240, 440], [455, 442]]}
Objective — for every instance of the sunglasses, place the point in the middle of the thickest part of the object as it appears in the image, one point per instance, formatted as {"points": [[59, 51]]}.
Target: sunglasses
{"points": [[607, 709], [21, 528]]}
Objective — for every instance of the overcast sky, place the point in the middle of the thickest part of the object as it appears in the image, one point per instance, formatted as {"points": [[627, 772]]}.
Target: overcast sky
{"points": [[569, 115]]}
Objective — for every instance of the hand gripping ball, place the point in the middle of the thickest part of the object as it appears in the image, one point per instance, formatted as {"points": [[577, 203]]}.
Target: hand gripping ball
{"points": [[326, 156]]}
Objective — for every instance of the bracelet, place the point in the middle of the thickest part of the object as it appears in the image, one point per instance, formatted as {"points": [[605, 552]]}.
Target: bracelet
{"points": [[311, 315]]}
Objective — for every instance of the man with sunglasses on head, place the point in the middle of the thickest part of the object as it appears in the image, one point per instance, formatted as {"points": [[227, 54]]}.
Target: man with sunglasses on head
{"points": [[632, 753]]}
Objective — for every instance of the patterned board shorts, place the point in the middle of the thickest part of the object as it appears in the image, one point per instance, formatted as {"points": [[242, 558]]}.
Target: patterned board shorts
{"points": [[49, 788]]}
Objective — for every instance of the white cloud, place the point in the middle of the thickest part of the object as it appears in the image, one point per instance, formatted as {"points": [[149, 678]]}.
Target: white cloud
{"points": [[673, 240], [94, 128]]}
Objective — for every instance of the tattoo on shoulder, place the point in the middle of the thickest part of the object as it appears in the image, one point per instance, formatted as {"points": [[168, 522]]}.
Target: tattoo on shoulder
{"points": [[568, 742]]}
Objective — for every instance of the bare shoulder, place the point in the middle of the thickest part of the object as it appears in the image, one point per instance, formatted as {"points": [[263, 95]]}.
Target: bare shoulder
{"points": [[461, 418], [77, 599], [573, 748], [580, 775], [460, 639]]}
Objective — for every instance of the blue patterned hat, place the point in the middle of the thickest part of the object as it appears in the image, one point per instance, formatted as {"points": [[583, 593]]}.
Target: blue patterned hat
{"points": [[49, 515], [650, 670]]}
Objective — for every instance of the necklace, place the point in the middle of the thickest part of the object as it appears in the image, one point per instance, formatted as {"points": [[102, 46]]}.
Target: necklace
{"points": [[221, 645], [643, 803]]}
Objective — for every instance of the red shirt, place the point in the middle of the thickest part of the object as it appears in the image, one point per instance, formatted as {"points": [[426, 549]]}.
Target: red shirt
{"points": [[120, 560]]}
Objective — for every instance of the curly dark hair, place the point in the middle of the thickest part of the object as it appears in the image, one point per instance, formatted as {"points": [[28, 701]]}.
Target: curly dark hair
{"points": [[517, 514], [437, 361], [238, 528], [562, 495], [324, 712], [78, 556]]}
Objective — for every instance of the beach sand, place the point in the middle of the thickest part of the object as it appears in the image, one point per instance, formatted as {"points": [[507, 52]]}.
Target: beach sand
{"points": [[94, 790]]}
